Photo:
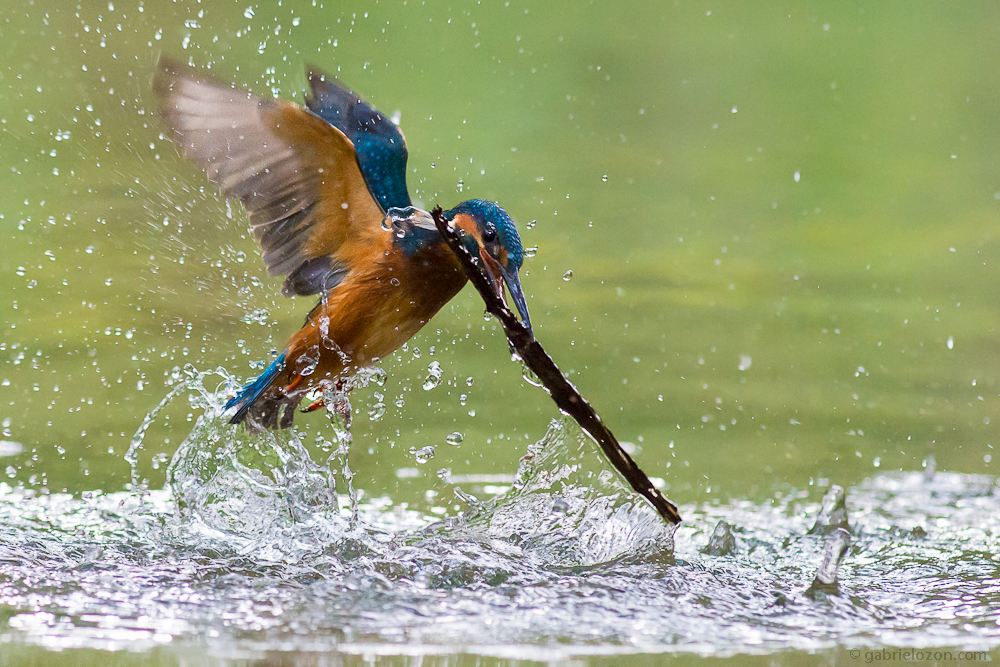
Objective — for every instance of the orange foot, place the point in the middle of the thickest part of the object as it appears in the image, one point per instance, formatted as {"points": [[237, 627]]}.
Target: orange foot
{"points": [[315, 405], [295, 383]]}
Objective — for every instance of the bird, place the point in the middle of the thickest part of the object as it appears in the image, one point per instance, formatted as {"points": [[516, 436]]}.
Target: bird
{"points": [[324, 187]]}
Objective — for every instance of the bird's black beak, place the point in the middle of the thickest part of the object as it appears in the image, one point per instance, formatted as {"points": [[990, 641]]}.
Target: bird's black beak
{"points": [[498, 276], [516, 293]]}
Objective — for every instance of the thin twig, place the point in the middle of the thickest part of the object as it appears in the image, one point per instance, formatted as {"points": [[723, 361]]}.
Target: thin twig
{"points": [[565, 395]]}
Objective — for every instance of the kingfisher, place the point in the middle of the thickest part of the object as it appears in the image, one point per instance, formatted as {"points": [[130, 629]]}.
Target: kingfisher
{"points": [[324, 187]]}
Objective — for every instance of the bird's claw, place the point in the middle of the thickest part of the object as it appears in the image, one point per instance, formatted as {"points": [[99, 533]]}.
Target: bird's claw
{"points": [[315, 405], [340, 406]]}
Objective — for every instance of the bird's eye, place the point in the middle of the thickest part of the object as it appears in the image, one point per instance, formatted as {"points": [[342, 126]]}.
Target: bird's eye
{"points": [[490, 235]]}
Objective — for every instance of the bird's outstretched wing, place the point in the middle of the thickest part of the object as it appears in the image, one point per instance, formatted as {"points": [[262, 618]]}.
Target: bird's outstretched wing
{"points": [[297, 175], [379, 142]]}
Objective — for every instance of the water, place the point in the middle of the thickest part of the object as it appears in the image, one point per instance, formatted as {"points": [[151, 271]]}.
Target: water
{"points": [[764, 305], [255, 549]]}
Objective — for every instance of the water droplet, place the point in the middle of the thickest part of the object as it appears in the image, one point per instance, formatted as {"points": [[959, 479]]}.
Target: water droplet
{"points": [[951, 342], [530, 224], [249, 12], [568, 275], [424, 454], [531, 251], [530, 377], [604, 178], [797, 177], [306, 364], [366, 376], [455, 438], [376, 412], [433, 378], [394, 281], [259, 316], [469, 381]]}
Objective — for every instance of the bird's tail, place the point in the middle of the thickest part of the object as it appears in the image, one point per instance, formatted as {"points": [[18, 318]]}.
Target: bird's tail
{"points": [[254, 390]]}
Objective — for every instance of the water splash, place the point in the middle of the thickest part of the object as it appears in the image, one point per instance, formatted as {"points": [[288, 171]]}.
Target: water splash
{"points": [[568, 562], [250, 488], [187, 379], [565, 508], [834, 547], [226, 480], [723, 542]]}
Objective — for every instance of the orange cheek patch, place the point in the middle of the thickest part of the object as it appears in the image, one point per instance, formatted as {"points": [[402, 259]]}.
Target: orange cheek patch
{"points": [[467, 225]]}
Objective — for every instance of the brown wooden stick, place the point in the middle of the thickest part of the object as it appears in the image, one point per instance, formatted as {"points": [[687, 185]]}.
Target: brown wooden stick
{"points": [[565, 395]]}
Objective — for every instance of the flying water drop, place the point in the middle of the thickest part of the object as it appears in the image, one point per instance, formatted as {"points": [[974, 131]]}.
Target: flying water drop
{"points": [[376, 411], [433, 378], [424, 454]]}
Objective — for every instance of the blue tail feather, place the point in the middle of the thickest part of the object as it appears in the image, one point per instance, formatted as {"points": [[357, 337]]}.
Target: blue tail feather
{"points": [[252, 391]]}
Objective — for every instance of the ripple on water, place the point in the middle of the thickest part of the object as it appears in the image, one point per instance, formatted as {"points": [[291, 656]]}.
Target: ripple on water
{"points": [[255, 546]]}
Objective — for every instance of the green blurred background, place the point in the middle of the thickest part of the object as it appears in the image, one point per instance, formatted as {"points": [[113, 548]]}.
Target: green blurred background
{"points": [[779, 221]]}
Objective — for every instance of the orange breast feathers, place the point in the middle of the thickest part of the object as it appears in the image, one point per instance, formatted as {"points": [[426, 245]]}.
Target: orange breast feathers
{"points": [[379, 306]]}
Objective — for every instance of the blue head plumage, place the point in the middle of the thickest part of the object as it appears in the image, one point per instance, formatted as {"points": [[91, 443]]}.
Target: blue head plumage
{"points": [[498, 245], [489, 216]]}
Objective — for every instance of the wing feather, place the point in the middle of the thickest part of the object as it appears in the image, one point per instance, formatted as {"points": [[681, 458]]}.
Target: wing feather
{"points": [[297, 176], [379, 143]]}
